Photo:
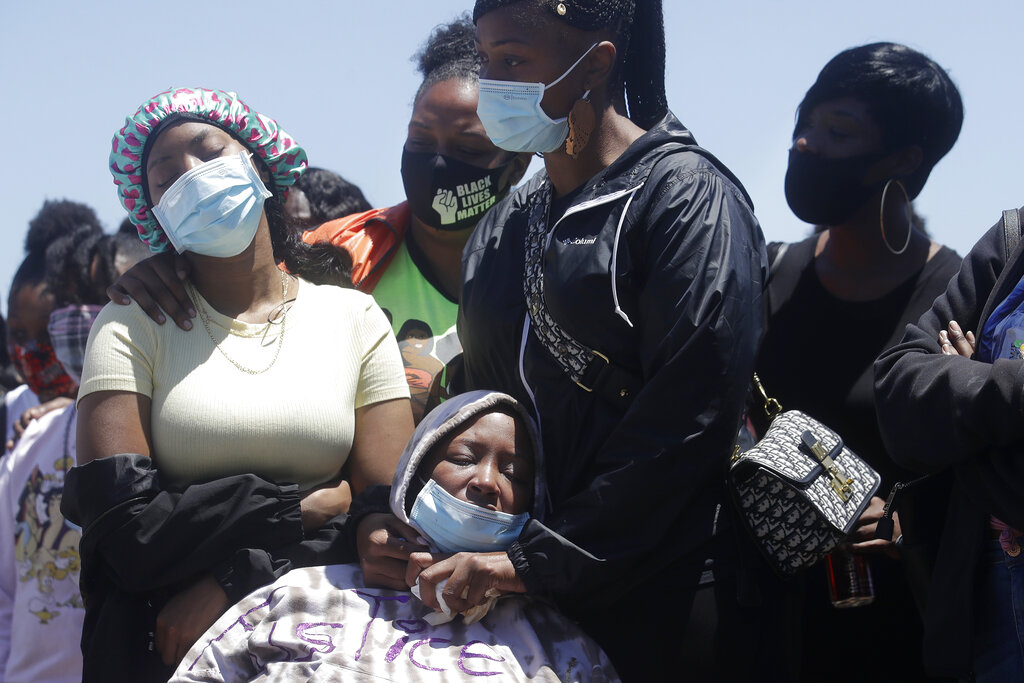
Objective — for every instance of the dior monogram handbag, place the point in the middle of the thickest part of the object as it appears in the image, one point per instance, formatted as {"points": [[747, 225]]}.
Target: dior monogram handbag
{"points": [[799, 490]]}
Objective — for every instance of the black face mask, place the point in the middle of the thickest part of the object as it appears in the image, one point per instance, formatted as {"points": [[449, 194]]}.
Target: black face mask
{"points": [[828, 191], [448, 194]]}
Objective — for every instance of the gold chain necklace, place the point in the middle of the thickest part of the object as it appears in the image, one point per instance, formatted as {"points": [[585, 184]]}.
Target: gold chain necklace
{"points": [[204, 316]]}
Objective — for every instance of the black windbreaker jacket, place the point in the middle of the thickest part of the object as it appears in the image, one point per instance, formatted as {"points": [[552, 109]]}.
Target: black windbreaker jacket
{"points": [[658, 264], [950, 413]]}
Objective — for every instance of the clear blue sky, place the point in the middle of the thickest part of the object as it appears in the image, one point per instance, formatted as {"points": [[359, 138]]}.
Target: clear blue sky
{"points": [[337, 75]]}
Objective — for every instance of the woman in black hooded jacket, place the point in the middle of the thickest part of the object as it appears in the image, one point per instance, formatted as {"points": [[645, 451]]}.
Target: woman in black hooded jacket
{"points": [[617, 294]]}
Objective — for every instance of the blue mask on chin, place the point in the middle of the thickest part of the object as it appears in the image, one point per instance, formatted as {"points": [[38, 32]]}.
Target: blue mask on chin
{"points": [[453, 525]]}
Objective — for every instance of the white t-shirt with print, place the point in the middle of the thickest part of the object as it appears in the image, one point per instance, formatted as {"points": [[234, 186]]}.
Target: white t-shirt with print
{"points": [[41, 609]]}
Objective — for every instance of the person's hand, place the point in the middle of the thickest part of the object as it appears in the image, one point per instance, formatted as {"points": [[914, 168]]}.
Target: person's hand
{"points": [[186, 616], [321, 505], [385, 544], [34, 413], [472, 578], [863, 534], [955, 343], [155, 284]]}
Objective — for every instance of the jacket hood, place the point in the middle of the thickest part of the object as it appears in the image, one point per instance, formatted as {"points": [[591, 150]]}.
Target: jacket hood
{"points": [[445, 419], [668, 136]]}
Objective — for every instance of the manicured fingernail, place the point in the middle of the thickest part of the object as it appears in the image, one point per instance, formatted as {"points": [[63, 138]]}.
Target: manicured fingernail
{"points": [[955, 327], [160, 319], [191, 312], [187, 325]]}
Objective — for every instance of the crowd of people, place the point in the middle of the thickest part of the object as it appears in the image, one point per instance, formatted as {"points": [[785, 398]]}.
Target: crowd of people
{"points": [[265, 431]]}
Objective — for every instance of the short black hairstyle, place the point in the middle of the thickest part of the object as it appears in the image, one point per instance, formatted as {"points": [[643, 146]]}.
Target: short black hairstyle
{"points": [[912, 99], [57, 219], [330, 196], [449, 53], [638, 32]]}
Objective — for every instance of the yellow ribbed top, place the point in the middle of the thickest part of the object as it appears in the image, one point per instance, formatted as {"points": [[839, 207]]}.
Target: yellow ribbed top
{"points": [[293, 423]]}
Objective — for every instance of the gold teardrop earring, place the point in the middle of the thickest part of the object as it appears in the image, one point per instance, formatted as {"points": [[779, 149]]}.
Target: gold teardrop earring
{"points": [[581, 124]]}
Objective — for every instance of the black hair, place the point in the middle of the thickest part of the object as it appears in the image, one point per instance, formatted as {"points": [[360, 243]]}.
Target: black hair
{"points": [[128, 228], [330, 196], [56, 220], [321, 263], [413, 324], [81, 266], [68, 264], [449, 53], [912, 99], [8, 375], [638, 32]]}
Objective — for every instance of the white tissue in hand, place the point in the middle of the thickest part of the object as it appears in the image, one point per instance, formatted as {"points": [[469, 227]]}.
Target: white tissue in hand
{"points": [[470, 616], [435, 618]]}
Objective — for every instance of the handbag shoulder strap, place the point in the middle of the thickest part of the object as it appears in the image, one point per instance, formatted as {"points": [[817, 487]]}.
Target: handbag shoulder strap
{"points": [[1011, 232], [589, 369]]}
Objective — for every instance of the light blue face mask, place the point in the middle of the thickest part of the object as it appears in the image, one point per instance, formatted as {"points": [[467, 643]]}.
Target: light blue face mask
{"points": [[214, 209], [513, 118], [455, 526]]}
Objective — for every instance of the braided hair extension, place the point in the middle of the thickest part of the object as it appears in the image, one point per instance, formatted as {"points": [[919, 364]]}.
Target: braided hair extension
{"points": [[450, 52], [641, 73]]}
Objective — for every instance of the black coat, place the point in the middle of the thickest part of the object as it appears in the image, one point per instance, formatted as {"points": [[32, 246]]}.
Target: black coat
{"points": [[634, 484], [141, 544], [940, 413]]}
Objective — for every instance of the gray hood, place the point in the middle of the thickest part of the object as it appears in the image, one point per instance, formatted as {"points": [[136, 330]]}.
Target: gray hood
{"points": [[442, 421]]}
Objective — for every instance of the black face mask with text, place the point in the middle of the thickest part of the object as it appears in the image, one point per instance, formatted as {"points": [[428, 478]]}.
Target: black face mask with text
{"points": [[828, 191], [448, 194]]}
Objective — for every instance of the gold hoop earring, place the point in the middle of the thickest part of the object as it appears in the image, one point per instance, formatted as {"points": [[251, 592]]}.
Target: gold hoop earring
{"points": [[881, 217], [581, 124]]}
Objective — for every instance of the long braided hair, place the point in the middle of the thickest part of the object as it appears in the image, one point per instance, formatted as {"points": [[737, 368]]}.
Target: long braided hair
{"points": [[638, 27]]}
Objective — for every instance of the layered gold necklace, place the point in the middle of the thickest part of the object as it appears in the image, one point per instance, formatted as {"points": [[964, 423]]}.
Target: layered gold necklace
{"points": [[277, 316]]}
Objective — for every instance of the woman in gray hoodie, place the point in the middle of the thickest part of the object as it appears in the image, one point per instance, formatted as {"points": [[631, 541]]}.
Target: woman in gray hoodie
{"points": [[467, 481]]}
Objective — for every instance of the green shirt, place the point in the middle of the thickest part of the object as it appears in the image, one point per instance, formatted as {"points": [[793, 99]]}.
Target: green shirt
{"points": [[423, 320]]}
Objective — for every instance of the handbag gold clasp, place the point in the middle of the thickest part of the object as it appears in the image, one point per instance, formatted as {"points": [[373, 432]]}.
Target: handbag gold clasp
{"points": [[840, 482]]}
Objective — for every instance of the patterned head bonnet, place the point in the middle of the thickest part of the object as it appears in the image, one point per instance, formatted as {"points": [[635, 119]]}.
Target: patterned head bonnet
{"points": [[258, 133]]}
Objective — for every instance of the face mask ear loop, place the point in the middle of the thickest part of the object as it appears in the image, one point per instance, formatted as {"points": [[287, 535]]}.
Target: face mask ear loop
{"points": [[569, 71]]}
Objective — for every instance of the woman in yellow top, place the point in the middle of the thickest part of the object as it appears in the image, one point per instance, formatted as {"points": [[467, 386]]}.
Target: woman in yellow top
{"points": [[233, 441]]}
